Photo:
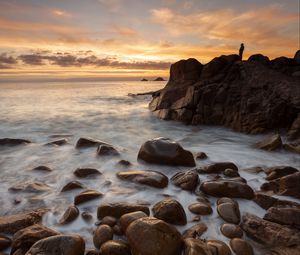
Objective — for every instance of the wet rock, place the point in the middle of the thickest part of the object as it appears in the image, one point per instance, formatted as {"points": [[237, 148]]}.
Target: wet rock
{"points": [[151, 236], [231, 173], [289, 185], [12, 223], [241, 247], [84, 172], [34, 187], [294, 131], [186, 180], [59, 142], [227, 188], [91, 252], [219, 167], [279, 171], [149, 178], [128, 218], [57, 245], [118, 229], [237, 179], [231, 230], [170, 211], [107, 150], [115, 247], [26, 237], [13, 141], [165, 151], [88, 142], [285, 216], [223, 200], [195, 231], [270, 186], [86, 196], [118, 209], [265, 202], [201, 155], [270, 143], [200, 208], [293, 146], [42, 168], [72, 185], [124, 163], [218, 247], [5, 242], [253, 170], [70, 215], [229, 211], [108, 220], [196, 247], [102, 234]]}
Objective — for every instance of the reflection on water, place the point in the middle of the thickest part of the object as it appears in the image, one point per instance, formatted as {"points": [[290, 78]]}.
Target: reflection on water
{"points": [[47, 111]]}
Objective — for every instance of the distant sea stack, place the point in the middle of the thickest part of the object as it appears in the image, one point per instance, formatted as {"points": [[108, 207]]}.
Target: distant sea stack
{"points": [[159, 79], [250, 96]]}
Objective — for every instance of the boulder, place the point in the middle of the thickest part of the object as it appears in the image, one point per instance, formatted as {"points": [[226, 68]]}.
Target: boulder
{"points": [[5, 242], [13, 141], [115, 247], [259, 58], [278, 172], [84, 172], [151, 236], [108, 220], [265, 202], [86, 196], [195, 231], [42, 168], [59, 142], [70, 215], [200, 208], [71, 186], [294, 131], [88, 142], [165, 151], [229, 212], [270, 143], [128, 218], [196, 247], [219, 167], [102, 234], [186, 180], [218, 247], [31, 187], [107, 150], [289, 185], [57, 245], [231, 230], [285, 216], [231, 173], [241, 247], [201, 155], [149, 178], [170, 211]]}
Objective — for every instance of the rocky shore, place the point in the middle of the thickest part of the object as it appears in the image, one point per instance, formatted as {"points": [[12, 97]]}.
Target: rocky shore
{"points": [[124, 228]]}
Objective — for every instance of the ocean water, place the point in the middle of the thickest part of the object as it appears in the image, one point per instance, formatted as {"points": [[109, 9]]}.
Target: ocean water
{"points": [[43, 112]]}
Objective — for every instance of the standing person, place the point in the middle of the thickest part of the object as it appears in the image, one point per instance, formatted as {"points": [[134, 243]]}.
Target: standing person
{"points": [[241, 51]]}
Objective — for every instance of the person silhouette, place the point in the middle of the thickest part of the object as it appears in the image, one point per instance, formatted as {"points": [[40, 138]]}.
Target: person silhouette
{"points": [[241, 51]]}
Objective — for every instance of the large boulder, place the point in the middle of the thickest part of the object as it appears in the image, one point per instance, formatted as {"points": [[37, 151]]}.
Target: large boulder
{"points": [[151, 236], [166, 152], [285, 216], [259, 58], [186, 180], [270, 143], [289, 185], [115, 247]]}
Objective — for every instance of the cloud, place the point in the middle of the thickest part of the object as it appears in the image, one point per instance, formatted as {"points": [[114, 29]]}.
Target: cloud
{"points": [[111, 5], [7, 62]]}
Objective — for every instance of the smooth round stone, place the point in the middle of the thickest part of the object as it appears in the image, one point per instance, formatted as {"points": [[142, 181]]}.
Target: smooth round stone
{"points": [[72, 185], [231, 230], [128, 218], [109, 220], [70, 215], [201, 155], [86, 196], [241, 247], [229, 212], [87, 216], [218, 247], [115, 247], [231, 173], [223, 200], [102, 234], [200, 208]]}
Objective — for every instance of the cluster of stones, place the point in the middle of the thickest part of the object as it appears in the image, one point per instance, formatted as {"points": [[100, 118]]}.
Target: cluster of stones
{"points": [[132, 228]]}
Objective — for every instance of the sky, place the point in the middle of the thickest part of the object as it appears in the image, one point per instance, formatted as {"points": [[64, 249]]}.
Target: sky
{"points": [[132, 39]]}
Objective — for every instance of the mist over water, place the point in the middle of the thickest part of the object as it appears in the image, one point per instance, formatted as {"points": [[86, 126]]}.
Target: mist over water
{"points": [[102, 110]]}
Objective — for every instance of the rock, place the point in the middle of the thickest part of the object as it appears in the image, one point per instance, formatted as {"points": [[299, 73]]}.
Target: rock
{"points": [[253, 170], [201, 155], [118, 230], [13, 142], [278, 172], [293, 146], [218, 247], [285, 216], [70, 215], [144, 79], [91, 252], [170, 211], [265, 202], [270, 186], [42, 168], [57, 245], [118, 209], [165, 151], [88, 142], [231, 173], [196, 247], [270, 143], [5, 242], [128, 218], [26, 237], [231, 231], [297, 57], [108, 220], [229, 212], [125, 163], [195, 231], [219, 167], [241, 247], [86, 196], [186, 180], [151, 236], [159, 79], [87, 216], [12, 223], [84, 172], [227, 188], [200, 208], [259, 58], [115, 247], [102, 234], [294, 131], [34, 187], [289, 185], [149, 178], [107, 150], [59, 142], [72, 185]]}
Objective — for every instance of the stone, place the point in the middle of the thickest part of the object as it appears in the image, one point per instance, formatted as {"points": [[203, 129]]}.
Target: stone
{"points": [[150, 178], [227, 188], [284, 216], [85, 172], [128, 218], [59, 142], [218, 247], [12, 223], [42, 168], [13, 142], [196, 247], [219, 167], [87, 216], [107, 150], [72, 185], [241, 247], [165, 152], [5, 242], [294, 131], [118, 209], [57, 245], [289, 185], [229, 212], [70, 215], [91, 252], [102, 234], [151, 236], [259, 58], [270, 143], [171, 211], [200, 208], [124, 163], [231, 230], [115, 247], [186, 180], [279, 171], [86, 196], [31, 187], [201, 155], [231, 173], [108, 220], [88, 142], [195, 231], [265, 202]]}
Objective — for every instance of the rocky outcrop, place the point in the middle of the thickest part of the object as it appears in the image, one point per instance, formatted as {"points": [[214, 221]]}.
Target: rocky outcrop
{"points": [[250, 96], [13, 141]]}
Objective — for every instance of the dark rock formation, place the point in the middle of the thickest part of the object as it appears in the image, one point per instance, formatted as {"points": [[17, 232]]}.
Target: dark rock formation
{"points": [[71, 186], [70, 215], [5, 242], [86, 196], [84, 172], [13, 141], [159, 79], [89, 142]]}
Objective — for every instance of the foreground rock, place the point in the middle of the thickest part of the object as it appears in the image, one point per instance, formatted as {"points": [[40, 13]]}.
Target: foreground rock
{"points": [[115, 247], [85, 172], [107, 150], [57, 245], [241, 247], [270, 143], [70, 215], [72, 185], [128, 218], [274, 173], [289, 185], [151, 236], [150, 178], [102, 234], [284, 216], [186, 180], [219, 167], [5, 242], [86, 196], [229, 211], [88, 142], [165, 151], [170, 211], [195, 231], [227, 188], [218, 247], [13, 142], [196, 247], [266, 202], [231, 230]]}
